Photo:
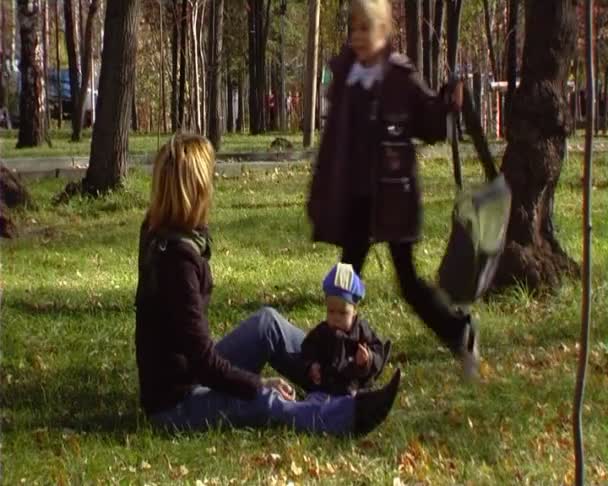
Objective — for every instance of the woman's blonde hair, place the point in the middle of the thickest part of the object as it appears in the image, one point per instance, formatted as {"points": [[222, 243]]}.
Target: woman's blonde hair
{"points": [[182, 183], [374, 11]]}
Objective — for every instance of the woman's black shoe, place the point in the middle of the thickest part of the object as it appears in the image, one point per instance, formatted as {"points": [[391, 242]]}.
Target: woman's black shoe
{"points": [[372, 407]]}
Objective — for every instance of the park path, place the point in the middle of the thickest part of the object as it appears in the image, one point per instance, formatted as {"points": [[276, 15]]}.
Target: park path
{"points": [[233, 164]]}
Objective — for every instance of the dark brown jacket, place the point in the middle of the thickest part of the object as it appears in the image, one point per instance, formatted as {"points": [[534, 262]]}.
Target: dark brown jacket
{"points": [[173, 343], [404, 108], [336, 351]]}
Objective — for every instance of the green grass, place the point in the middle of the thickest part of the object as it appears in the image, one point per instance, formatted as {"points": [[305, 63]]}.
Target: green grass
{"points": [[69, 386], [139, 144]]}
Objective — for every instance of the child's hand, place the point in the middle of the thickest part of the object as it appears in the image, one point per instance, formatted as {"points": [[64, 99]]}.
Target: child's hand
{"points": [[363, 356], [314, 373]]}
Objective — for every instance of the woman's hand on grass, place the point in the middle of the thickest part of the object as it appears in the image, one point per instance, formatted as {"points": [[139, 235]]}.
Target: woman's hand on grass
{"points": [[279, 384]]}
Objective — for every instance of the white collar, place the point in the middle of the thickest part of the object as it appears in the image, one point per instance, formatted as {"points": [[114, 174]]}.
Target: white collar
{"points": [[366, 75]]}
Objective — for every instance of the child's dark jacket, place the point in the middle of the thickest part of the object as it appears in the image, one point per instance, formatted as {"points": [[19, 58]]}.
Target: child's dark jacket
{"points": [[403, 108], [335, 351]]}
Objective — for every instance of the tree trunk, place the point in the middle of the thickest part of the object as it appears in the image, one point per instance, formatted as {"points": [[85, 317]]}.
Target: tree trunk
{"points": [[215, 87], [58, 67], [427, 39], [13, 194], [310, 94], [240, 119], [454, 8], [413, 14], [605, 113], [436, 43], [161, 47], [258, 33], [108, 163], [31, 100], [511, 56], [45, 60], [536, 146], [282, 95], [87, 68], [490, 41], [174, 67], [182, 65], [3, 77], [72, 43], [229, 102]]}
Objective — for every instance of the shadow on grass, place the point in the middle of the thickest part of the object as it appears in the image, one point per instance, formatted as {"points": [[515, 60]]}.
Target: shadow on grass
{"points": [[58, 302], [80, 397]]}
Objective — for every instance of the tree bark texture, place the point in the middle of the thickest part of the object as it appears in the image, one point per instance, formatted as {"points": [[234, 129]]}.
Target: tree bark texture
{"points": [[258, 22], [436, 42], [413, 14], [31, 101], [87, 67], [174, 66], [427, 39], [215, 87], [454, 9], [72, 42], [536, 146], [489, 39], [511, 55], [181, 107], [108, 163]]}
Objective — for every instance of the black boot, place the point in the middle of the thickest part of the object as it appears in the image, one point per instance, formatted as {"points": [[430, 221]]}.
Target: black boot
{"points": [[372, 407]]}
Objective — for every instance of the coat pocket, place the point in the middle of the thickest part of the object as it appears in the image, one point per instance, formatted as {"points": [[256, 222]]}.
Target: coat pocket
{"points": [[397, 195]]}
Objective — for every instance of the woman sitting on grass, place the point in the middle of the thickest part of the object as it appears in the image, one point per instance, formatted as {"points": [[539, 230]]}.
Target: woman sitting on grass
{"points": [[186, 380]]}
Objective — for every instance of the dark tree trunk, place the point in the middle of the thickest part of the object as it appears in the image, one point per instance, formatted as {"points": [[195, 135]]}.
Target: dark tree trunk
{"points": [[31, 100], [454, 8], [536, 146], [413, 14], [605, 113], [174, 67], [511, 55], [490, 41], [229, 104], [86, 71], [108, 163], [215, 86], [58, 67], [45, 60], [427, 39], [240, 119], [258, 33], [436, 42], [182, 65], [72, 43], [13, 194]]}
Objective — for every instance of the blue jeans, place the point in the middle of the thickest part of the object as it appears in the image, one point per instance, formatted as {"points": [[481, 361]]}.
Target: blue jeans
{"points": [[265, 337]]}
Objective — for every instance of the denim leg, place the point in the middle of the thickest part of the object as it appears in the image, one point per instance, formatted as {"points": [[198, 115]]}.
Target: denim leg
{"points": [[266, 337], [204, 408]]}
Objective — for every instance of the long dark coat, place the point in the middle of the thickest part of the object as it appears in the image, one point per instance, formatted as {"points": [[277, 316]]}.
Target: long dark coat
{"points": [[403, 108]]}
